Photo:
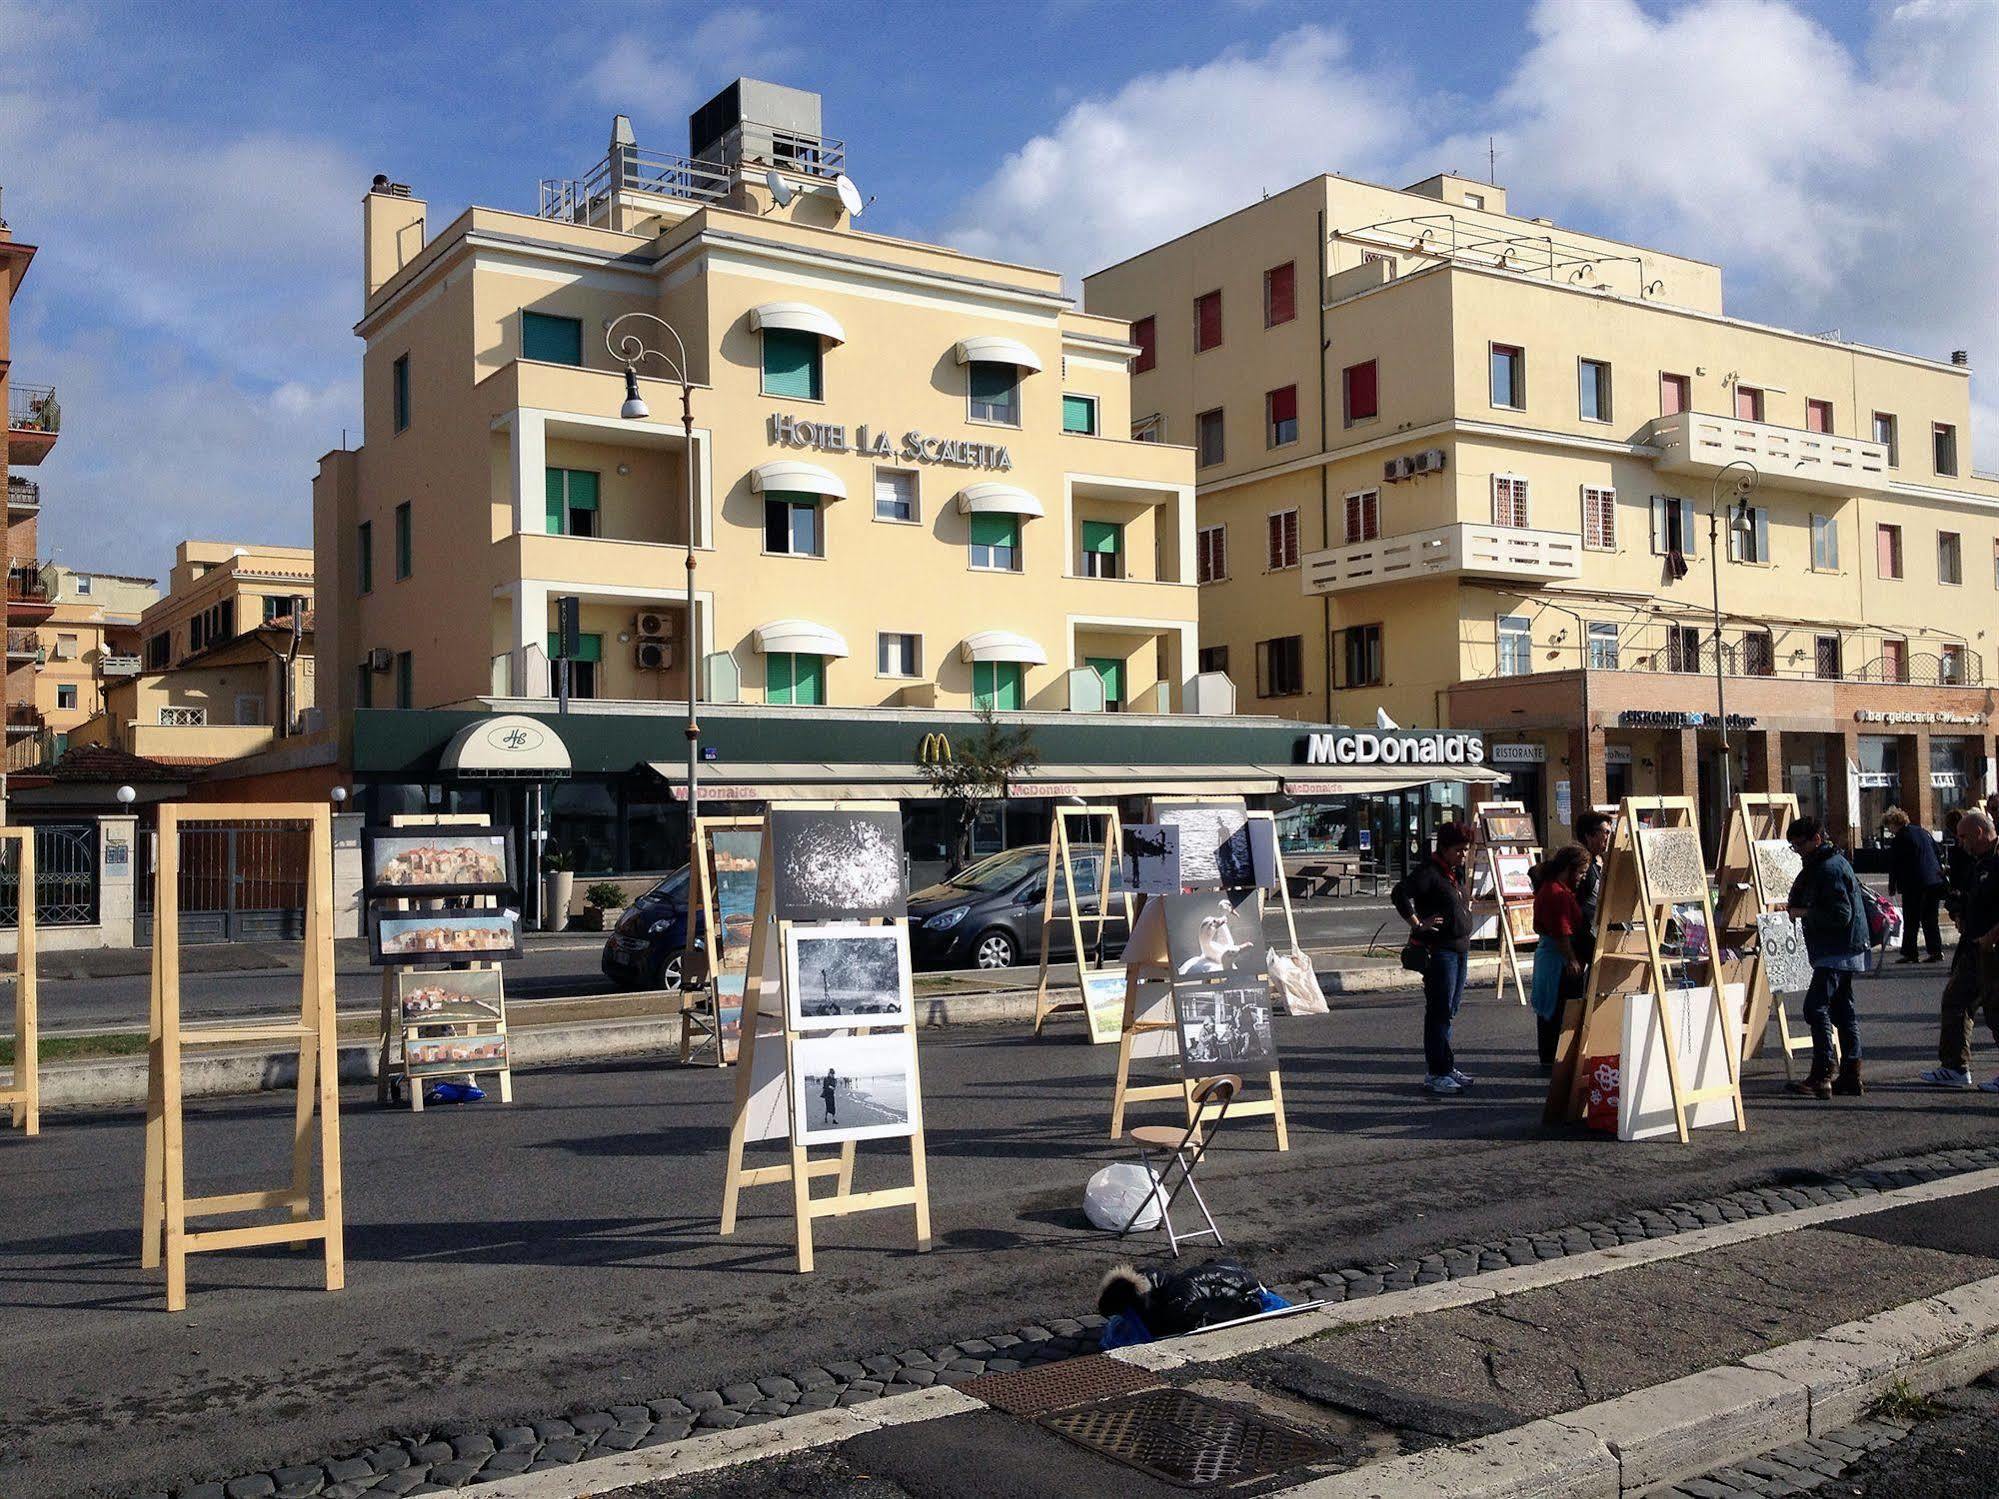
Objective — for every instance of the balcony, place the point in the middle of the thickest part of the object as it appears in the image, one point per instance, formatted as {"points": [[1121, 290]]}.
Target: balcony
{"points": [[1691, 442], [1466, 549], [23, 718], [628, 168], [33, 420], [117, 666], [23, 495], [27, 595], [22, 645]]}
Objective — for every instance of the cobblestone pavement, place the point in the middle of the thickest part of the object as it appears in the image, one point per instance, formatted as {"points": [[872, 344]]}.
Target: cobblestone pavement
{"points": [[1796, 1469], [435, 1462]]}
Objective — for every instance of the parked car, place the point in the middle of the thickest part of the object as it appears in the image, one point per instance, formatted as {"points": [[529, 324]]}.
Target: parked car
{"points": [[988, 915], [645, 948]]}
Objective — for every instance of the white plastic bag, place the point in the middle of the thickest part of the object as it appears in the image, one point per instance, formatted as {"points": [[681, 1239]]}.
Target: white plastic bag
{"points": [[1294, 985], [1115, 1192]]}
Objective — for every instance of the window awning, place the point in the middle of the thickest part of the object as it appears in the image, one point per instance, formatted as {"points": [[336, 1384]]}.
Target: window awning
{"points": [[508, 745], [801, 635], [790, 475], [990, 350], [1001, 645], [1356, 780], [998, 499], [800, 317]]}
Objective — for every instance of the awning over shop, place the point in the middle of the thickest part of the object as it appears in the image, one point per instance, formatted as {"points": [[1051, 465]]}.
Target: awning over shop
{"points": [[802, 635], [989, 350], [998, 499], [1360, 780], [789, 475], [800, 317], [1001, 645], [508, 746], [794, 781]]}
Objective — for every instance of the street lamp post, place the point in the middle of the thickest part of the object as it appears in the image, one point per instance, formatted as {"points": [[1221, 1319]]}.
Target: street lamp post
{"points": [[1741, 487], [629, 350]]}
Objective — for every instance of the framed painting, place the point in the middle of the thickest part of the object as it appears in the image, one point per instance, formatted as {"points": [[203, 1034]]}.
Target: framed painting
{"points": [[437, 861]]}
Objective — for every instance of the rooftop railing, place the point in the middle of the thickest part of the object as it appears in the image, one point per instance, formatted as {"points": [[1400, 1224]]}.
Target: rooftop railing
{"points": [[702, 179]]}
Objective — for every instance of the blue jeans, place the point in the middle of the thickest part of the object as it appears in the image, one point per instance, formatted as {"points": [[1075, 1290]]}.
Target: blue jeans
{"points": [[1829, 1007], [1443, 988]]}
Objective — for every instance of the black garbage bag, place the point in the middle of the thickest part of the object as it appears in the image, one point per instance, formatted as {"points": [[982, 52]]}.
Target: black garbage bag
{"points": [[1218, 1291]]}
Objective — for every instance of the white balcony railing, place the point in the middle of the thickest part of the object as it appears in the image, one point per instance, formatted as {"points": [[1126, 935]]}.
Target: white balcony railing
{"points": [[1692, 442], [1467, 549], [118, 666]]}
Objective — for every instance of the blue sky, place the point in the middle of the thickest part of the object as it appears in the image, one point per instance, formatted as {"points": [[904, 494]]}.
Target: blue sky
{"points": [[193, 173]]}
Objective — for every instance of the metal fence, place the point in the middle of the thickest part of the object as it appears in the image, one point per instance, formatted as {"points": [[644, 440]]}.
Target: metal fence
{"points": [[66, 877], [238, 882]]}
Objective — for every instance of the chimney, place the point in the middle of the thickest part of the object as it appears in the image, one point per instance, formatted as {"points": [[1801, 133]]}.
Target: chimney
{"points": [[392, 231]]}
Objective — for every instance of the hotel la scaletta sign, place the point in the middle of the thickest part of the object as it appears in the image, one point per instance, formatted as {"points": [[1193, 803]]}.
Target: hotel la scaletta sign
{"points": [[872, 442]]}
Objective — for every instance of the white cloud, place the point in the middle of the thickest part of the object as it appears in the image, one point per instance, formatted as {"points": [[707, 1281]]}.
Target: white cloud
{"points": [[665, 80]]}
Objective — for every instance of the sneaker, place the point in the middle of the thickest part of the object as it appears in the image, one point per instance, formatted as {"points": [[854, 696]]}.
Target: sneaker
{"points": [[1461, 1079], [1991, 1086], [1443, 1085], [1948, 1077]]}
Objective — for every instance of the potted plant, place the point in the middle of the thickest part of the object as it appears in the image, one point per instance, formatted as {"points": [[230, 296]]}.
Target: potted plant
{"points": [[558, 888], [599, 900]]}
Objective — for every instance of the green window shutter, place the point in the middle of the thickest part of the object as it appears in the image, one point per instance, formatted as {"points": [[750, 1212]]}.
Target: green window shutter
{"points": [[1103, 536], [992, 382], [809, 680], [558, 340], [558, 517], [582, 489], [588, 647], [1079, 414], [791, 363], [1110, 671], [996, 685], [777, 678], [995, 530]]}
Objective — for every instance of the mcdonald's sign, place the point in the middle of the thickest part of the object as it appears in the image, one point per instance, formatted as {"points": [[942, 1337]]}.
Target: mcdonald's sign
{"points": [[935, 749]]}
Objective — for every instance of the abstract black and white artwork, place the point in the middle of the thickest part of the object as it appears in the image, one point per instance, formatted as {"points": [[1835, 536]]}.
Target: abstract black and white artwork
{"points": [[1674, 868], [846, 974], [853, 1087], [1215, 934], [1225, 1029], [1214, 844], [1152, 858], [835, 865], [1787, 967], [1778, 866]]}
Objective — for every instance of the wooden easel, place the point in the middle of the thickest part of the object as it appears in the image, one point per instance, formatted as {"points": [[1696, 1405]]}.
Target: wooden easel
{"points": [[1630, 933], [164, 1231], [24, 1098], [398, 1029], [1757, 816], [763, 993], [1110, 853], [701, 1009]]}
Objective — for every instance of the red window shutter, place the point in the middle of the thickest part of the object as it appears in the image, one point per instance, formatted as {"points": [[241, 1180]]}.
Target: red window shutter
{"points": [[1274, 543], [1207, 321], [1280, 294], [1748, 404], [1290, 538], [1143, 334], [1220, 558], [1362, 399], [1818, 416], [1672, 394], [1284, 404]]}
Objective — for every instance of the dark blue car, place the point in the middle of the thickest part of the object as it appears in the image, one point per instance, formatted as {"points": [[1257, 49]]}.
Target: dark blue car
{"points": [[645, 948]]}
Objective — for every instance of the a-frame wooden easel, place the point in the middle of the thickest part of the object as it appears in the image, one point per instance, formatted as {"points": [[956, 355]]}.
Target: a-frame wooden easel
{"points": [[1744, 894], [764, 1000], [701, 1009], [1109, 852], [1630, 962], [1516, 936], [24, 1097], [164, 1231]]}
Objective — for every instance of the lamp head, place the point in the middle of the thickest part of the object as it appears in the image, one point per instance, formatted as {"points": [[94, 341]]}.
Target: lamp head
{"points": [[635, 408], [126, 796]]}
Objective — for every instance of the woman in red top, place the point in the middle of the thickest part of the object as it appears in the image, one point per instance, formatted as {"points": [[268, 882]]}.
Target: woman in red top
{"points": [[1558, 921]]}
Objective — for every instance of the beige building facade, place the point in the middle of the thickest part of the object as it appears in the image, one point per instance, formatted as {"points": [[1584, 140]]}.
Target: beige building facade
{"points": [[88, 644], [1459, 465]]}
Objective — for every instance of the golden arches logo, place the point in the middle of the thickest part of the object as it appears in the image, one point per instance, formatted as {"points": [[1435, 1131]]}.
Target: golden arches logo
{"points": [[935, 749]]}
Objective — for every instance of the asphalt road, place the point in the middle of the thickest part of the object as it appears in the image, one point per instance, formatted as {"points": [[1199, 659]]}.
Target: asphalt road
{"points": [[512, 1263]]}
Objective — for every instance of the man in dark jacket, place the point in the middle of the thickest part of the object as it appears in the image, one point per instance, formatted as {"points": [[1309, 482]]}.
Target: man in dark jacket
{"points": [[1916, 874], [1974, 971], [1826, 897], [1433, 900]]}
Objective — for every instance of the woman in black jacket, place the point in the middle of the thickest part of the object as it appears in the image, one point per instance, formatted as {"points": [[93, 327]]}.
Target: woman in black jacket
{"points": [[1432, 898]]}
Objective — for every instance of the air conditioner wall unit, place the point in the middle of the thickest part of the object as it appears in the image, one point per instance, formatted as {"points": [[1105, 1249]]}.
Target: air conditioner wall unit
{"points": [[652, 655], [381, 659], [1430, 461], [653, 626]]}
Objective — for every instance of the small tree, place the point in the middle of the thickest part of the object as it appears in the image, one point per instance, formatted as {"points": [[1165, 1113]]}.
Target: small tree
{"points": [[977, 772]]}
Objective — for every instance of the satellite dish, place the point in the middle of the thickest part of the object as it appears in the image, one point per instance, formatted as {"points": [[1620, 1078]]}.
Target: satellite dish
{"points": [[780, 189], [850, 196]]}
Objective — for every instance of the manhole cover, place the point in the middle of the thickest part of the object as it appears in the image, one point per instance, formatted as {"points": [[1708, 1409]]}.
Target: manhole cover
{"points": [[1069, 1381], [1186, 1440]]}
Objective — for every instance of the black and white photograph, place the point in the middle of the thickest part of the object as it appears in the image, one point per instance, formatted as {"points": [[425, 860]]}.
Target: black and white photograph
{"points": [[1214, 844], [834, 865], [1152, 858], [846, 974], [1215, 934], [437, 861], [853, 1087], [1225, 1029], [449, 998]]}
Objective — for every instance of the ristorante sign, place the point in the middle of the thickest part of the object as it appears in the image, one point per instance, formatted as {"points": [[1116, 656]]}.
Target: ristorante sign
{"points": [[866, 442], [1405, 747]]}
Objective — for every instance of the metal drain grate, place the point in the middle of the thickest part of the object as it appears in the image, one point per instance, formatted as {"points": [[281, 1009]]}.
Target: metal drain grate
{"points": [[1186, 1440], [1069, 1381]]}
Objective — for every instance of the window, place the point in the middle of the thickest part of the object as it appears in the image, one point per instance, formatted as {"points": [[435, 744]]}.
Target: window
{"points": [[1211, 554], [1364, 516], [1672, 526], [571, 496], [1759, 654], [995, 392], [1818, 416], [1371, 257], [1360, 392], [1825, 544], [1103, 549], [898, 655], [182, 718], [795, 679], [1950, 664], [1280, 416], [1888, 551], [556, 340], [1213, 658], [1280, 666], [66, 646], [159, 649], [1943, 449], [1280, 294], [1474, 200], [276, 606], [996, 685], [1894, 660], [1360, 657], [1683, 648], [791, 524], [1825, 657], [1207, 321], [364, 686], [1751, 544], [1884, 433], [1599, 518], [1110, 676], [405, 679], [1281, 537], [895, 495], [1509, 500], [1516, 645], [1079, 414], [364, 562], [585, 667], [83, 585], [1748, 403], [1950, 557], [1676, 394], [1208, 438], [404, 544], [1509, 377], [66, 695], [1593, 389], [400, 380], [793, 364], [996, 543], [1602, 646], [1145, 333]]}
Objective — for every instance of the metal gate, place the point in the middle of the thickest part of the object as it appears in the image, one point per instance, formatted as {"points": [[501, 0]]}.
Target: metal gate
{"points": [[66, 885], [239, 882]]}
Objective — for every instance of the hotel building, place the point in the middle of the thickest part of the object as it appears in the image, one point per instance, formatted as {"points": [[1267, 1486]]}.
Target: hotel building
{"points": [[1459, 465]]}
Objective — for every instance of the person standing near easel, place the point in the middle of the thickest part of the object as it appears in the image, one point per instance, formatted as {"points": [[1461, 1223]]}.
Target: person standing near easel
{"points": [[1826, 897], [1559, 966], [1433, 899]]}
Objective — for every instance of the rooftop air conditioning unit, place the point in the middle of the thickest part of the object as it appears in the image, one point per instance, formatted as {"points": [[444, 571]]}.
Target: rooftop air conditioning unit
{"points": [[654, 626], [653, 655], [380, 659]]}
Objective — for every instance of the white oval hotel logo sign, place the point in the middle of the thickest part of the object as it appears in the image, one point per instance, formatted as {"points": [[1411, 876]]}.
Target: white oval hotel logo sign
{"points": [[515, 738]]}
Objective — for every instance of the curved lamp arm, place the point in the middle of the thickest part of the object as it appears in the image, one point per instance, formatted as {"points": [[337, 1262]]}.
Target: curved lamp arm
{"points": [[629, 349]]}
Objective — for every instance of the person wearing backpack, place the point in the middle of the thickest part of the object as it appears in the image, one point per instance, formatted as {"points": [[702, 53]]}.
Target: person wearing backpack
{"points": [[1826, 897], [1915, 873], [1432, 898]]}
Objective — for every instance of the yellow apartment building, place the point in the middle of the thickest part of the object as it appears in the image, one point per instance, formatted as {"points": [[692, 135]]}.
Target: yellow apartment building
{"points": [[1459, 465], [88, 643]]}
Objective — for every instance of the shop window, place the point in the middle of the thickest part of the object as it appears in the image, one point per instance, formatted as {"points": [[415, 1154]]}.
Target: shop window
{"points": [[1950, 557], [1748, 403], [405, 679], [1282, 538], [554, 340], [795, 679], [898, 655], [1213, 658], [1363, 516], [571, 497], [896, 495], [1211, 554], [1826, 657], [994, 392], [1079, 414], [1110, 675], [1509, 500], [791, 524], [1751, 543], [1280, 294], [1593, 389], [1103, 549], [364, 557], [1280, 666], [399, 379], [585, 667], [1145, 333], [1884, 434], [1676, 394], [996, 543], [1509, 377], [1818, 416], [1599, 518], [1208, 438], [1603, 648], [1672, 526], [1516, 645], [1759, 654], [996, 686], [1825, 544], [405, 540], [793, 364], [1207, 321], [1280, 416], [1360, 392], [1943, 449], [1683, 648], [583, 822], [1888, 551], [1360, 656]]}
